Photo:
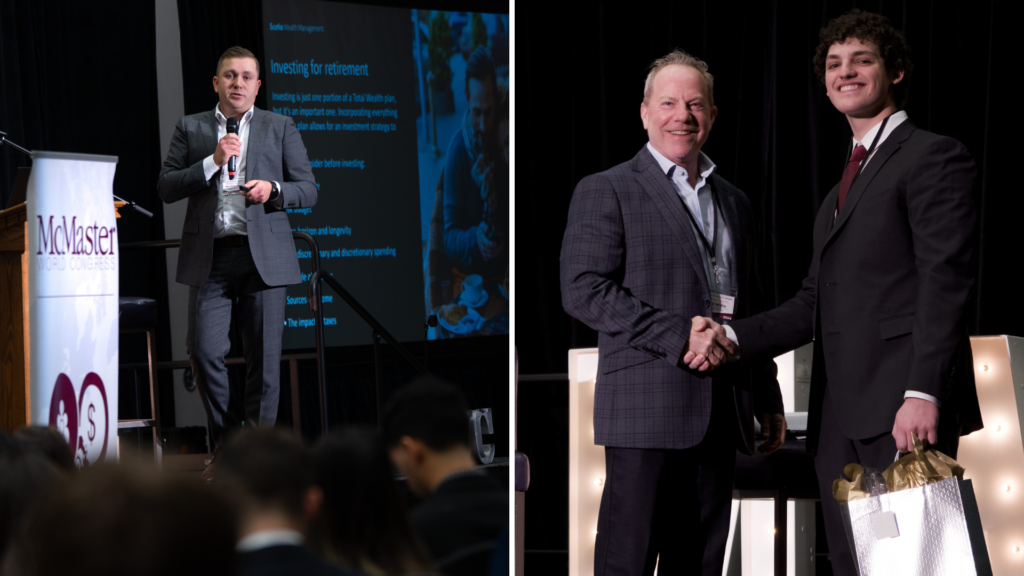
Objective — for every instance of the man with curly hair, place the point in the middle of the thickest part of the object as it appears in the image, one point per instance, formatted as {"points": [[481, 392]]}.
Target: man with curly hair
{"points": [[892, 270]]}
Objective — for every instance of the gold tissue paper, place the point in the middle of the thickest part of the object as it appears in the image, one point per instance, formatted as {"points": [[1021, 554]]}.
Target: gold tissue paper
{"points": [[916, 469]]}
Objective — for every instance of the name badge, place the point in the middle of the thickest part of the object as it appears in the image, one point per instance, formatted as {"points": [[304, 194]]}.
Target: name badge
{"points": [[723, 306]]}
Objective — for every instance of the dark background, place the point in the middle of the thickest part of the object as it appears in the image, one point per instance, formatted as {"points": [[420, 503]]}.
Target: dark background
{"points": [[777, 137], [81, 77]]}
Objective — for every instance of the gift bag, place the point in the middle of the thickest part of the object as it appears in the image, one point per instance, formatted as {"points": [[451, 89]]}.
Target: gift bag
{"points": [[931, 530], [917, 518]]}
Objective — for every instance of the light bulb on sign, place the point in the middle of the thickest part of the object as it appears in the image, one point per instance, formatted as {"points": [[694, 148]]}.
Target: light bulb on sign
{"points": [[1006, 487], [999, 427], [1015, 548]]}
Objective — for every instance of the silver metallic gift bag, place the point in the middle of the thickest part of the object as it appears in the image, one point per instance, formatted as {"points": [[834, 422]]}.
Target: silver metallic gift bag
{"points": [[932, 530]]}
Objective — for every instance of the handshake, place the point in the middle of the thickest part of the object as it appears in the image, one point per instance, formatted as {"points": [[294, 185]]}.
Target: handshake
{"points": [[708, 346]]}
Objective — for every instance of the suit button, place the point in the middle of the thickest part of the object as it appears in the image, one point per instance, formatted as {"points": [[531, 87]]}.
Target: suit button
{"points": [[705, 303]]}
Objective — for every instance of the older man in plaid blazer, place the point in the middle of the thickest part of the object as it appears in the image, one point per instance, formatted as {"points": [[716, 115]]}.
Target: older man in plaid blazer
{"points": [[651, 244]]}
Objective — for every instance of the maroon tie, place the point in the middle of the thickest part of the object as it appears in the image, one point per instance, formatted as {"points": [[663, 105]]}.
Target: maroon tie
{"points": [[849, 173]]}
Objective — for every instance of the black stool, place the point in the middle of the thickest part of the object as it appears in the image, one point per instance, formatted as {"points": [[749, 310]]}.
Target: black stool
{"points": [[786, 474], [140, 315]]}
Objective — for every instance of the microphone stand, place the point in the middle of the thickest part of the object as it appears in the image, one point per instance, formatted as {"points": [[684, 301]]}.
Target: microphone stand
{"points": [[4, 140], [132, 205], [135, 207]]}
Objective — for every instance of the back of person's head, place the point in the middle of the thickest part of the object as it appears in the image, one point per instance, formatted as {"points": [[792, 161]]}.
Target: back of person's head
{"points": [[364, 523], [27, 480], [48, 442], [114, 520], [430, 411], [272, 467]]}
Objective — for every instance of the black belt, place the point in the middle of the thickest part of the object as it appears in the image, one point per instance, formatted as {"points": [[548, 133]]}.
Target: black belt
{"points": [[233, 241]]}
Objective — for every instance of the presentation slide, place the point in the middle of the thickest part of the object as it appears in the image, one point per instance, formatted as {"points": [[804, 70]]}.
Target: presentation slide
{"points": [[404, 115]]}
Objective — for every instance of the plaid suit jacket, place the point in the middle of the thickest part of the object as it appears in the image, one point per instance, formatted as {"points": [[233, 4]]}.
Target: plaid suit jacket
{"points": [[275, 152], [631, 269]]}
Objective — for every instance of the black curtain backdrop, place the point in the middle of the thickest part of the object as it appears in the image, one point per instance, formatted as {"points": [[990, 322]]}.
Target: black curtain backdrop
{"points": [[777, 137], [81, 77], [207, 30]]}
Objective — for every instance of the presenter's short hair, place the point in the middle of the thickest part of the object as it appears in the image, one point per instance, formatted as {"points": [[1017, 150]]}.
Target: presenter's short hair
{"points": [[237, 52], [874, 28], [684, 59], [429, 410]]}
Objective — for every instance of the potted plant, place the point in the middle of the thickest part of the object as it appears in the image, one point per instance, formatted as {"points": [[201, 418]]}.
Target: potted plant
{"points": [[440, 47]]}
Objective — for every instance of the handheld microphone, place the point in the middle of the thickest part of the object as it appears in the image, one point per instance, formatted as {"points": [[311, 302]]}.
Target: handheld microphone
{"points": [[232, 129]]}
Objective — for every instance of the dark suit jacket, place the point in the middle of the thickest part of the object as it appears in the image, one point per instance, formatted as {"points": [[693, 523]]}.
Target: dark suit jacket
{"points": [[460, 522], [274, 152], [631, 269], [887, 289], [285, 561]]}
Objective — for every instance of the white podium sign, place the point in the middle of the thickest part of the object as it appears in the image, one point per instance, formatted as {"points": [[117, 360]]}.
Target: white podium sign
{"points": [[73, 300]]}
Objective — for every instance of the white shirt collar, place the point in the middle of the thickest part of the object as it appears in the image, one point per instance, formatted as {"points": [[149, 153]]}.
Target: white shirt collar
{"points": [[268, 538], [704, 164], [221, 118], [894, 121]]}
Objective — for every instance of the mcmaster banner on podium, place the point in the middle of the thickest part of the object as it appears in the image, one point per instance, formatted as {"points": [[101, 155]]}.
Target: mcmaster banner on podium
{"points": [[73, 300]]}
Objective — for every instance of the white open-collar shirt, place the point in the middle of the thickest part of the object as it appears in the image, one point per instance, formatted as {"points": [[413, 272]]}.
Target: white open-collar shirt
{"points": [[229, 218]]}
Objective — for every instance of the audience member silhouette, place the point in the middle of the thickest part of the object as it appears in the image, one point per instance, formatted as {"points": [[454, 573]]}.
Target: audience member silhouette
{"points": [[50, 443], [365, 524], [272, 477], [27, 478], [426, 431], [111, 520]]}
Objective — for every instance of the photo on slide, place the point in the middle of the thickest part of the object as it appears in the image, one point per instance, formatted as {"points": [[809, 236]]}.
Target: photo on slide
{"points": [[462, 64]]}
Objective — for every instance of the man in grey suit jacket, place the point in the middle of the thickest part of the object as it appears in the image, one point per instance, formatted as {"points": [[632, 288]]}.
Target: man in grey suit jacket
{"points": [[650, 244], [237, 248]]}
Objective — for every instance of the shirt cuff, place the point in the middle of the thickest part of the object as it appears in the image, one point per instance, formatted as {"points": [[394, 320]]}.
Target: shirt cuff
{"points": [[209, 167], [279, 201], [731, 335], [922, 396]]}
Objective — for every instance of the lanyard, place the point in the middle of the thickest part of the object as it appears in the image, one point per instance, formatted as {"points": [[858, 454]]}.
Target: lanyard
{"points": [[709, 246], [874, 142]]}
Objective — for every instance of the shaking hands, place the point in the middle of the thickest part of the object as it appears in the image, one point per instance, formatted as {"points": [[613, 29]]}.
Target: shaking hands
{"points": [[707, 347]]}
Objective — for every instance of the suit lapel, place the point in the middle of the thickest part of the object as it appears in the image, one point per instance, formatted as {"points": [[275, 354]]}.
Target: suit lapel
{"points": [[208, 127], [730, 213], [882, 154], [656, 185], [257, 134]]}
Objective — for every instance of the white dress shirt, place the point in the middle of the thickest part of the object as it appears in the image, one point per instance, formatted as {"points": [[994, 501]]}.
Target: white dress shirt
{"points": [[268, 538], [681, 182], [894, 121], [230, 215], [699, 202]]}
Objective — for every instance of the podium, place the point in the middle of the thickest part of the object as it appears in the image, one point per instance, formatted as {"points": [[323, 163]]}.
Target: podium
{"points": [[14, 328], [59, 304]]}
